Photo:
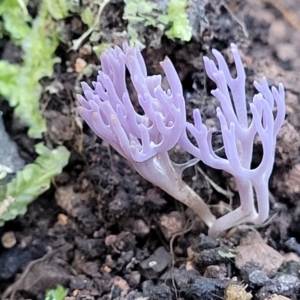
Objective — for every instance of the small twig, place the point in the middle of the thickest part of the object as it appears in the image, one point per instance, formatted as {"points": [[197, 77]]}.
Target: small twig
{"points": [[268, 222], [11, 290], [174, 236], [77, 43]]}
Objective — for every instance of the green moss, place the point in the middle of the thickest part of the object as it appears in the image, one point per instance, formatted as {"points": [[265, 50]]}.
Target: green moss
{"points": [[19, 85], [170, 17], [31, 182], [20, 82], [15, 20], [178, 18]]}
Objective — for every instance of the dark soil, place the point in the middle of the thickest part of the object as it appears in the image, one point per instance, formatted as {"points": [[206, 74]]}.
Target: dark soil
{"points": [[104, 232]]}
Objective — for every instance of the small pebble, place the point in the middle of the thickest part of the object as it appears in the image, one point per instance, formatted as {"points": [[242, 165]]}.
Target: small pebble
{"points": [[8, 239], [62, 219], [135, 278], [80, 64]]}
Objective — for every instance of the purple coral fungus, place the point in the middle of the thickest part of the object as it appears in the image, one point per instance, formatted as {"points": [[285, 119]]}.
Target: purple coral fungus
{"points": [[238, 137], [143, 139]]}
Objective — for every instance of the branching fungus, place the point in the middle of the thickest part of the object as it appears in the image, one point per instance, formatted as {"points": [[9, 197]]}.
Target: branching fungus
{"points": [[143, 139], [238, 138]]}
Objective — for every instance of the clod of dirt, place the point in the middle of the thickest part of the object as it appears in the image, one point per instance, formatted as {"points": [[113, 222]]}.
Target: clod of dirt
{"points": [[91, 269], [125, 241], [136, 295], [60, 128], [126, 260], [121, 283], [110, 264], [154, 265], [258, 278], [292, 245], [253, 253], [80, 282], [204, 289], [139, 228], [147, 287], [218, 272], [66, 198], [286, 155], [290, 267], [291, 183], [153, 196], [171, 224], [295, 229], [120, 205], [211, 257], [12, 260], [181, 277], [91, 248], [205, 242], [102, 285], [161, 292], [285, 285], [110, 240]]}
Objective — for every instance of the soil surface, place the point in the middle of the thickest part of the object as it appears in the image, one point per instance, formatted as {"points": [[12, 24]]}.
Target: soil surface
{"points": [[104, 232]]}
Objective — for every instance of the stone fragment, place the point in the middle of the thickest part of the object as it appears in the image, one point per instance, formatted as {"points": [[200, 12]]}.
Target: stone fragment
{"points": [[253, 253], [277, 297], [134, 279], [154, 265]]}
